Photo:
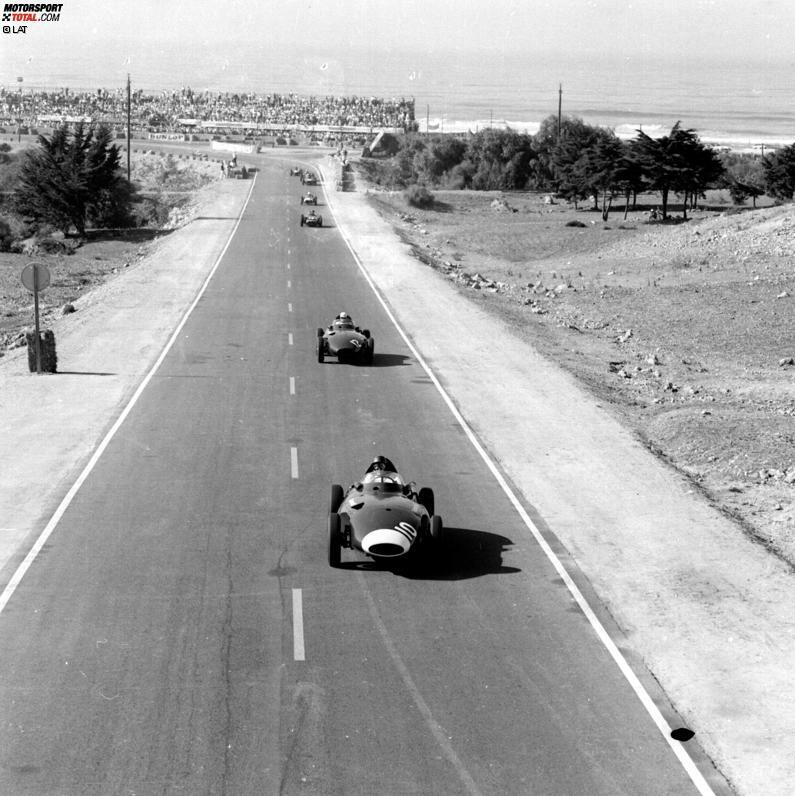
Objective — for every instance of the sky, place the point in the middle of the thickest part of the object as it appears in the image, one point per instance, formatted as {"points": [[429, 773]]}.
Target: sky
{"points": [[116, 31]]}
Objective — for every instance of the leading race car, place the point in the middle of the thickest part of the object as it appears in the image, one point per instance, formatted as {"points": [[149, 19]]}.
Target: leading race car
{"points": [[308, 178], [346, 341], [309, 198], [382, 516], [312, 219]]}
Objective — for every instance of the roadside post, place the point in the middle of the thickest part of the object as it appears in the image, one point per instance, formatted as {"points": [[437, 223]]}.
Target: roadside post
{"points": [[36, 277]]}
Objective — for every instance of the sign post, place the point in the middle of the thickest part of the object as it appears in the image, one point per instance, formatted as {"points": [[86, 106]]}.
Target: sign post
{"points": [[36, 277]]}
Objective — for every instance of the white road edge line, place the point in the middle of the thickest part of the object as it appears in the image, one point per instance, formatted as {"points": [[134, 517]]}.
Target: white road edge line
{"points": [[292, 385], [662, 725], [294, 462], [289, 338], [70, 495], [299, 651]]}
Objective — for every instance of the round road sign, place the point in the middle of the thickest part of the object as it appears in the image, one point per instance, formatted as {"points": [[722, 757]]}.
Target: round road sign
{"points": [[35, 276]]}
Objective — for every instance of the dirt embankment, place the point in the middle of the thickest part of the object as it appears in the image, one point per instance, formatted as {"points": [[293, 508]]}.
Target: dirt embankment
{"points": [[687, 330]]}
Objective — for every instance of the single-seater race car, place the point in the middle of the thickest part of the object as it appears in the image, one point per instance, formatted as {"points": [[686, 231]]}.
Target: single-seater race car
{"points": [[308, 178], [309, 198], [296, 171], [312, 219], [346, 341], [382, 516]]}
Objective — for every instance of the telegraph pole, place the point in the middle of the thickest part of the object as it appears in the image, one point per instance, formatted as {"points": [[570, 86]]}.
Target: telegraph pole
{"points": [[560, 106], [128, 127]]}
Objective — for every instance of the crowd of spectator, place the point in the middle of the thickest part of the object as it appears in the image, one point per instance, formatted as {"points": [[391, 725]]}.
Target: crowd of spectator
{"points": [[182, 111]]}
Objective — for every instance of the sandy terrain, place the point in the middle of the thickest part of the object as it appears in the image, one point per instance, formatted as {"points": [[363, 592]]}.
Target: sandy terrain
{"points": [[687, 331]]}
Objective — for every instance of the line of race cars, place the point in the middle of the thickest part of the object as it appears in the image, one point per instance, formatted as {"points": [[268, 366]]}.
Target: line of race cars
{"points": [[382, 516]]}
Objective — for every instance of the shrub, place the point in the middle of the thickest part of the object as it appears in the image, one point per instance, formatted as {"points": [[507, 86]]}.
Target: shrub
{"points": [[6, 236], [575, 223], [419, 196]]}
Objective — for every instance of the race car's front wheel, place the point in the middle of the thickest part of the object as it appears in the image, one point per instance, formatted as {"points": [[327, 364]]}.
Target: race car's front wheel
{"points": [[337, 496], [426, 499], [334, 540], [437, 530], [302, 221]]}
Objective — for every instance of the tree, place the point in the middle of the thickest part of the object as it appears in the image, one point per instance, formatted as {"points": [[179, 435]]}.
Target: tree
{"points": [[780, 173], [677, 162], [72, 178], [744, 176]]}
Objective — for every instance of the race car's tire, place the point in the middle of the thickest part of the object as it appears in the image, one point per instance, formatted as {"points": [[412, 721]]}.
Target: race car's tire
{"points": [[319, 332], [437, 529], [321, 350], [370, 352], [337, 496], [426, 499], [334, 540], [366, 332], [320, 221], [302, 219]]}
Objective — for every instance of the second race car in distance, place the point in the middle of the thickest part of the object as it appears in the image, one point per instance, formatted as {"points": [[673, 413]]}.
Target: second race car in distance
{"points": [[309, 198], [346, 341], [296, 171], [309, 178], [312, 219], [382, 517]]}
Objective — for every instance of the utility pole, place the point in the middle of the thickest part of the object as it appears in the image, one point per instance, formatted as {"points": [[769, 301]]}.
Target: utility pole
{"points": [[560, 105], [128, 127]]}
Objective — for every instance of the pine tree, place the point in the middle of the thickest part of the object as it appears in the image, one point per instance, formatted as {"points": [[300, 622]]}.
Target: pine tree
{"points": [[71, 178]]}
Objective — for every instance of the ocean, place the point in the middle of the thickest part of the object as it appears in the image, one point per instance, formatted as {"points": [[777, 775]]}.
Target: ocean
{"points": [[733, 102]]}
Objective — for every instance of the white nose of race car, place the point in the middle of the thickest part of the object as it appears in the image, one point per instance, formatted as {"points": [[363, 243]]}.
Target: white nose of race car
{"points": [[386, 543]]}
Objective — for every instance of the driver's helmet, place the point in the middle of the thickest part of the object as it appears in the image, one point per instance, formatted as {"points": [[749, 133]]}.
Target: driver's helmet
{"points": [[344, 320], [381, 463]]}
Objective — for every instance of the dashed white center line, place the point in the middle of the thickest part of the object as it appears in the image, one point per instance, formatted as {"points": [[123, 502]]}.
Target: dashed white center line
{"points": [[289, 338], [288, 266], [294, 462], [289, 307], [299, 651], [292, 385], [289, 284]]}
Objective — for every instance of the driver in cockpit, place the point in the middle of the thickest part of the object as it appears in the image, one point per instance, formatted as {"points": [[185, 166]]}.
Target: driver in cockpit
{"points": [[382, 471], [343, 321]]}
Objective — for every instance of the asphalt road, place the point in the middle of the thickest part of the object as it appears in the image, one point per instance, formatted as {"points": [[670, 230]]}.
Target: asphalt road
{"points": [[181, 631]]}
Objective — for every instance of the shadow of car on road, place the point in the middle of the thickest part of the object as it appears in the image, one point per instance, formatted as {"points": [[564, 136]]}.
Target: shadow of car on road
{"points": [[462, 554]]}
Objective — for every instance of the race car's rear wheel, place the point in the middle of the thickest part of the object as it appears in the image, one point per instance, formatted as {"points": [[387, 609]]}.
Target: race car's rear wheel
{"points": [[371, 352], [426, 499], [337, 496], [334, 540], [320, 350], [437, 530]]}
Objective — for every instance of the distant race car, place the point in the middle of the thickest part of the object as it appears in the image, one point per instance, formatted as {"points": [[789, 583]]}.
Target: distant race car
{"points": [[382, 517], [296, 171], [309, 198], [311, 220], [308, 178], [345, 341]]}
